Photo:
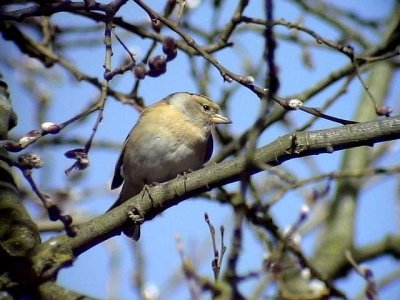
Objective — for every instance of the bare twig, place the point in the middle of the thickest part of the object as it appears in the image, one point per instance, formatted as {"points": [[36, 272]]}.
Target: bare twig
{"points": [[28, 162], [218, 254]]}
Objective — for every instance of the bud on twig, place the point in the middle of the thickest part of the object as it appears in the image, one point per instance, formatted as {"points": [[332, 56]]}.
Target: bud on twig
{"points": [[157, 65], [295, 103], [82, 160], [50, 127], [30, 161], [11, 146], [140, 71], [384, 110], [170, 48], [156, 24]]}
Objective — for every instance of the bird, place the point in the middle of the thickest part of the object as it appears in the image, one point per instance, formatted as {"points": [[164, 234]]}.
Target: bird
{"points": [[171, 137]]}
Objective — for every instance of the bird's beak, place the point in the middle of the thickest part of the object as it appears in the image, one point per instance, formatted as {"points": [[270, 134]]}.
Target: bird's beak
{"points": [[220, 119]]}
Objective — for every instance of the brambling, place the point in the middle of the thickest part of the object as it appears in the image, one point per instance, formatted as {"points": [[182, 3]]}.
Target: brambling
{"points": [[171, 137]]}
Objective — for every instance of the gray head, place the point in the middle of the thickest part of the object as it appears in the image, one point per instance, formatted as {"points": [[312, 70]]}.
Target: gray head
{"points": [[198, 108]]}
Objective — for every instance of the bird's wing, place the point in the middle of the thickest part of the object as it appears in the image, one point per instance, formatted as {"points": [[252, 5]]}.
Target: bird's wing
{"points": [[118, 179], [209, 149]]}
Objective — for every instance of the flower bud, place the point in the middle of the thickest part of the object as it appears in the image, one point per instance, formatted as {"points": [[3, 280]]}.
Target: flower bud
{"points": [[10, 146], [157, 65], [33, 133], [30, 161], [25, 141], [54, 212], [295, 103], [168, 44], [67, 219], [384, 110], [172, 54], [250, 79], [156, 24], [82, 163], [140, 71], [170, 48], [50, 127], [75, 153]]}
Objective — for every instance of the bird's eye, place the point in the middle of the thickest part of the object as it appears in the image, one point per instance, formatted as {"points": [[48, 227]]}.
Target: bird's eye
{"points": [[206, 107]]}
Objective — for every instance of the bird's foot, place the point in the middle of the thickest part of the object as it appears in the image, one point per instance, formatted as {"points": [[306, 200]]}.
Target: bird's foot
{"points": [[184, 176], [131, 228], [146, 189], [135, 216]]}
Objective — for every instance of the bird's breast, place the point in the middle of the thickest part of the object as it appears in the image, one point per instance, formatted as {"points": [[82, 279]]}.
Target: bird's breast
{"points": [[162, 158]]}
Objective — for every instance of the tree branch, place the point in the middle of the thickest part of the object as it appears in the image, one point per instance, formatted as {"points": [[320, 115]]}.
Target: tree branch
{"points": [[18, 233]]}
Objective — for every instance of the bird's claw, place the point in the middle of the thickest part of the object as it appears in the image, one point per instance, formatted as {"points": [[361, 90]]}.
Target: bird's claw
{"points": [[146, 189], [135, 216], [184, 175]]}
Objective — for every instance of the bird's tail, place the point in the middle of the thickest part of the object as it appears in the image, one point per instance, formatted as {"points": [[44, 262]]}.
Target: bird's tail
{"points": [[130, 229]]}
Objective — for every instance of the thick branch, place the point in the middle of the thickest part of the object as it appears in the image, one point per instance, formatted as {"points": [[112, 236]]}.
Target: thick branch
{"points": [[18, 233], [52, 291]]}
